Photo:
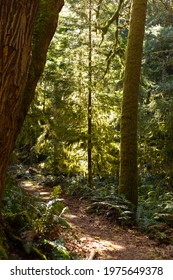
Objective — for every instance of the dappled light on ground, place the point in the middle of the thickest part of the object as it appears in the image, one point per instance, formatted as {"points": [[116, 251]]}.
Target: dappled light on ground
{"points": [[36, 189], [93, 236], [107, 239], [100, 246]]}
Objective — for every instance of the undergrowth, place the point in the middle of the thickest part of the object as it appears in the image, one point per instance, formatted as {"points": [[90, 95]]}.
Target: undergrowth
{"points": [[155, 210], [104, 200], [28, 223], [154, 214]]}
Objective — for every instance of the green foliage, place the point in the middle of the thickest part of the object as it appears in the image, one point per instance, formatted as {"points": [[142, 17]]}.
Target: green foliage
{"points": [[155, 125], [50, 214], [55, 137], [57, 249], [29, 221], [104, 199], [17, 203], [118, 210], [59, 134], [56, 191], [155, 205], [3, 245], [3, 253]]}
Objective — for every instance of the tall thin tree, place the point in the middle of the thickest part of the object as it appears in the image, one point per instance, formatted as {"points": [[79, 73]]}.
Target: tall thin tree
{"points": [[128, 184], [90, 97]]}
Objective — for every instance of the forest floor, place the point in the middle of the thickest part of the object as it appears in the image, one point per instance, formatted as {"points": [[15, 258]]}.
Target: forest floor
{"points": [[93, 236]]}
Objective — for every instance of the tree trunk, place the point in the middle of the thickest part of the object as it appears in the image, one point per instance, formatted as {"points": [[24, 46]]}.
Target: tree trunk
{"points": [[19, 76], [45, 27], [128, 184], [90, 101], [16, 29]]}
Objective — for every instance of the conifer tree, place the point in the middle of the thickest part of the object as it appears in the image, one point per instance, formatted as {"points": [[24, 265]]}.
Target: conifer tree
{"points": [[128, 184], [17, 27]]}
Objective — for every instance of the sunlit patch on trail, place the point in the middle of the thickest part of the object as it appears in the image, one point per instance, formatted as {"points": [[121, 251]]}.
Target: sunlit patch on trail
{"points": [[111, 246], [70, 216], [103, 245], [27, 184], [99, 247], [36, 189]]}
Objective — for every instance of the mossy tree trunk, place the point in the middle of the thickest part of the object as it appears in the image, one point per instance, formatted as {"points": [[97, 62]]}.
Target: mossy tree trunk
{"points": [[128, 181], [21, 35]]}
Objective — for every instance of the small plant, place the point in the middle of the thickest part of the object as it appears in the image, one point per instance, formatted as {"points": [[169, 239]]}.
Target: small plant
{"points": [[155, 213], [57, 249], [30, 221]]}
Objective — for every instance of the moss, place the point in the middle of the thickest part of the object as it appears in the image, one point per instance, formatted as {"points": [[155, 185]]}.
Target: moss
{"points": [[3, 253], [3, 245], [17, 220], [38, 253]]}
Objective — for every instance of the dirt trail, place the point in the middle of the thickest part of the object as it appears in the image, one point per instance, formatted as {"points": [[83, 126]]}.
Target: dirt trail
{"points": [[105, 240], [94, 237]]}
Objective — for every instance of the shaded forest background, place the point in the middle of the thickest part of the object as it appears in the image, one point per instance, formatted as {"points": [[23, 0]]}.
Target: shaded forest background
{"points": [[55, 132], [86, 63]]}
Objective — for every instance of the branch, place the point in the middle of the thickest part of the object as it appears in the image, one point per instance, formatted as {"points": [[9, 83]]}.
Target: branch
{"points": [[93, 254], [98, 9], [115, 17]]}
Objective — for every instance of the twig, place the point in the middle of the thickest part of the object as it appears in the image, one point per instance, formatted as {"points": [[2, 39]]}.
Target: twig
{"points": [[93, 254]]}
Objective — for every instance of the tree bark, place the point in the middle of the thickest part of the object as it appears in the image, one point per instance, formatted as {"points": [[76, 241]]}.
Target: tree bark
{"points": [[21, 35], [128, 184], [16, 29], [45, 27]]}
